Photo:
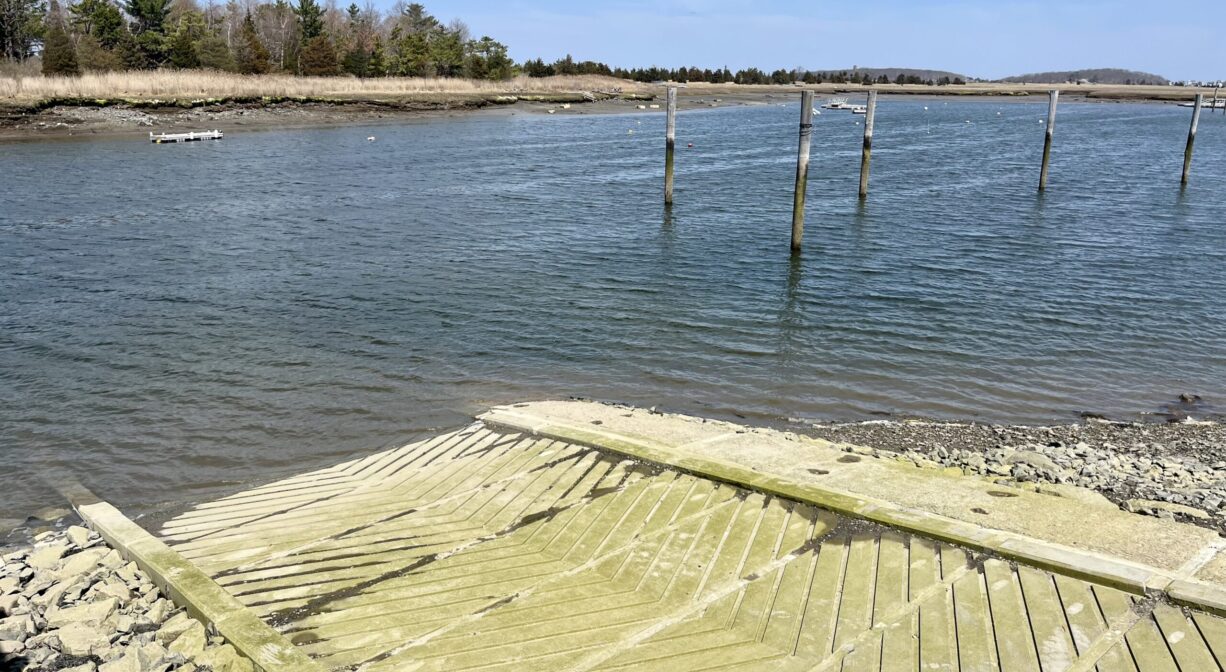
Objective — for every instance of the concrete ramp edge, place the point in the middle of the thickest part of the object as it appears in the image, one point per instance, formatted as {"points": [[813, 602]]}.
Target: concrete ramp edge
{"points": [[1116, 572], [192, 589]]}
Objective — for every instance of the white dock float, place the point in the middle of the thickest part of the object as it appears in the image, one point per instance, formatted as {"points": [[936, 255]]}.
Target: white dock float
{"points": [[194, 136]]}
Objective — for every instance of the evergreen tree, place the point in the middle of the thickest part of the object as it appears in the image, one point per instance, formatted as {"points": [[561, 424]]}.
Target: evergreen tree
{"points": [[59, 56], [356, 62], [212, 53], [98, 18], [319, 57], [487, 59], [310, 19], [93, 57], [447, 52], [149, 15], [181, 46], [250, 55], [376, 66], [130, 53], [413, 55]]}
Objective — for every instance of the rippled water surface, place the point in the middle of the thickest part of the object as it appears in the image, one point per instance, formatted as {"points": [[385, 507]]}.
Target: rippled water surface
{"points": [[177, 320]]}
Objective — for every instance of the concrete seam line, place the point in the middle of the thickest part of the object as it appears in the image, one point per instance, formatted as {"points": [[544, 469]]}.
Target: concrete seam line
{"points": [[1203, 557], [1131, 577], [189, 587]]}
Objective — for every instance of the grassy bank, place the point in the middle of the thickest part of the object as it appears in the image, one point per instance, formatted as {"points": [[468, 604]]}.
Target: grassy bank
{"points": [[199, 85], [24, 89]]}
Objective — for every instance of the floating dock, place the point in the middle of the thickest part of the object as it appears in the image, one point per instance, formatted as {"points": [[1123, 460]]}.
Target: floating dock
{"points": [[580, 536], [195, 136]]}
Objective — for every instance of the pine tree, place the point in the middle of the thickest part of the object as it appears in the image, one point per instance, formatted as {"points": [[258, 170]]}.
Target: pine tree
{"points": [[356, 62], [182, 44], [377, 65], [319, 57], [310, 19], [213, 53], [250, 55], [93, 57], [59, 56], [98, 18]]}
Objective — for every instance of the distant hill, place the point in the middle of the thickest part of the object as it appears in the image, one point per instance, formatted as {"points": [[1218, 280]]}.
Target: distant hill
{"points": [[1094, 76], [893, 73]]}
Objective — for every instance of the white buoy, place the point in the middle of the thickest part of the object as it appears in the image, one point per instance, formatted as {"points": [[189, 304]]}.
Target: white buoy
{"points": [[370, 138]]}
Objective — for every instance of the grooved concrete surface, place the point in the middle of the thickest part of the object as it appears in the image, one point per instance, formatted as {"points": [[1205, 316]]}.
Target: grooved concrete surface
{"points": [[484, 549]]}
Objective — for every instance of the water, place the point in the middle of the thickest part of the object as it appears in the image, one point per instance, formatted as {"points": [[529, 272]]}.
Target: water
{"points": [[176, 321]]}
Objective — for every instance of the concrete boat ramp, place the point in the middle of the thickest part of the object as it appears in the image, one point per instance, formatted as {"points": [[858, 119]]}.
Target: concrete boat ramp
{"points": [[582, 536]]}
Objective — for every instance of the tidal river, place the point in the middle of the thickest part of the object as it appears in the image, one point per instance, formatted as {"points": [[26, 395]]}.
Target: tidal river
{"points": [[177, 320]]}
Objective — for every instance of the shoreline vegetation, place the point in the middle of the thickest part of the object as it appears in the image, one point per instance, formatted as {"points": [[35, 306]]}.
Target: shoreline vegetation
{"points": [[71, 67], [140, 101]]}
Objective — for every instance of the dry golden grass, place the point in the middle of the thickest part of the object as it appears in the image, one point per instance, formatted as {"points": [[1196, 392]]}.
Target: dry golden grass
{"points": [[193, 84]]}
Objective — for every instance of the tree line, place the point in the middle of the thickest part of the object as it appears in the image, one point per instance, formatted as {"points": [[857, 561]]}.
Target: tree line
{"points": [[304, 38], [307, 38], [568, 66]]}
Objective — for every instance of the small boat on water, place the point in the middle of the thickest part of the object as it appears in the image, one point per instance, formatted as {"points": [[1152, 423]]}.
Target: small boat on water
{"points": [[1208, 104], [859, 109], [836, 104]]}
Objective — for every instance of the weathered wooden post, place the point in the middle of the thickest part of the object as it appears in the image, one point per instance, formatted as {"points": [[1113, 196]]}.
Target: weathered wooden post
{"points": [[802, 169], [867, 154], [670, 145], [1187, 153], [1051, 129]]}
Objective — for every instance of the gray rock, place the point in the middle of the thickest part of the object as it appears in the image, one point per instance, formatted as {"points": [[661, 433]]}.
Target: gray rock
{"points": [[83, 562], [224, 659], [81, 639], [90, 613], [191, 642], [48, 557], [1163, 509], [79, 536], [17, 628]]}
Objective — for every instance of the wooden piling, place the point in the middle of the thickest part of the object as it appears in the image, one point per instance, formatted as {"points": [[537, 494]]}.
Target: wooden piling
{"points": [[670, 145], [802, 169], [867, 153], [1187, 152], [1054, 98]]}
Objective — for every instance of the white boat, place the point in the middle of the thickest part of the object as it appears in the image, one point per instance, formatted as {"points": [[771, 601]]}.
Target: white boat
{"points": [[859, 109], [836, 104], [1208, 104]]}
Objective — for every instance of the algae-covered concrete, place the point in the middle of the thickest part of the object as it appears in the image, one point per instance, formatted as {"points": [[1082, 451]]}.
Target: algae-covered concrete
{"points": [[495, 548], [891, 489]]}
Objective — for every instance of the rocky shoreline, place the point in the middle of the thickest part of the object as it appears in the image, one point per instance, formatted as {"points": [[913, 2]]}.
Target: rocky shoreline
{"points": [[70, 602], [1172, 470]]}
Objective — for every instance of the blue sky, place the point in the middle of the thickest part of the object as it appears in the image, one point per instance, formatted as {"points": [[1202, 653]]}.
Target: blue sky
{"points": [[1175, 38]]}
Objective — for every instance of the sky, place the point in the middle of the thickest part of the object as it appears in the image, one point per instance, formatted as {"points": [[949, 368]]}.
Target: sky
{"points": [[988, 38]]}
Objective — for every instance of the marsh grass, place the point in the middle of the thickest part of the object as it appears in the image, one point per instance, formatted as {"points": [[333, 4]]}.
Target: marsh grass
{"points": [[22, 86]]}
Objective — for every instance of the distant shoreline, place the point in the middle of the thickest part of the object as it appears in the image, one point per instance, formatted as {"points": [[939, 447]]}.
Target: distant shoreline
{"points": [[33, 119]]}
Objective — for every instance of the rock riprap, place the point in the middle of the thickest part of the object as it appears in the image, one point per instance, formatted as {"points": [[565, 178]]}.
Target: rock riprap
{"points": [[1175, 470], [69, 602]]}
